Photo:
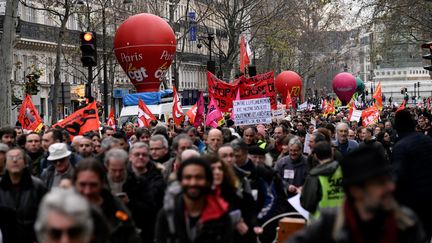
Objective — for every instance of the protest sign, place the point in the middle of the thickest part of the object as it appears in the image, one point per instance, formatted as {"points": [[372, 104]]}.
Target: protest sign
{"points": [[278, 114], [356, 115], [252, 111]]}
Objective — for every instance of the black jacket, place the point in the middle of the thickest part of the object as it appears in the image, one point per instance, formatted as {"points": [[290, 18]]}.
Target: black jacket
{"points": [[171, 226], [117, 219], [145, 194], [25, 199], [9, 225], [332, 228], [412, 163]]}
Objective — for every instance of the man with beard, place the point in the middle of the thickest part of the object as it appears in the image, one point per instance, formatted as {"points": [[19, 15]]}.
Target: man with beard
{"points": [[145, 189], [293, 168], [34, 150], [280, 132], [116, 161], [180, 143], [85, 147], [7, 136], [342, 143], [195, 215], [369, 213]]}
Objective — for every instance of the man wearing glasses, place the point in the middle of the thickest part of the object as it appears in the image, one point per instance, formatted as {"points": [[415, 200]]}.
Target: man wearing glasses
{"points": [[22, 192], [60, 167], [145, 188], [159, 149]]}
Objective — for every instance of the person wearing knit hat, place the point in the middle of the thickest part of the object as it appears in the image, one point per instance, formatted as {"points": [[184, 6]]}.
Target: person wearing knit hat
{"points": [[369, 212]]}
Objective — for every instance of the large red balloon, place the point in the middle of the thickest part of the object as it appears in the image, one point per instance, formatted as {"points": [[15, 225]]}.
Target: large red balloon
{"points": [[145, 46], [288, 81], [344, 85]]}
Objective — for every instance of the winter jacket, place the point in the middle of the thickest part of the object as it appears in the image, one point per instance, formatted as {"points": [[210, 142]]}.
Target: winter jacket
{"points": [[145, 194], [412, 163], [213, 226], [24, 199], [121, 227], [332, 227], [292, 172], [48, 175], [312, 191], [375, 144], [352, 145]]}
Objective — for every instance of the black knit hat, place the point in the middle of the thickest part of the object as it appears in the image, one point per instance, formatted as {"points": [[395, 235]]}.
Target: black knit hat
{"points": [[362, 164], [256, 150]]}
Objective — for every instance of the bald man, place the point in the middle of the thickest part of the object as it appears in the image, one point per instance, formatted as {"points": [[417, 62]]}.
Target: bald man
{"points": [[214, 141]]}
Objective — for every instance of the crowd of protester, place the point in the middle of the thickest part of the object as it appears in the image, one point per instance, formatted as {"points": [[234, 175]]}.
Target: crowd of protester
{"points": [[168, 183]]}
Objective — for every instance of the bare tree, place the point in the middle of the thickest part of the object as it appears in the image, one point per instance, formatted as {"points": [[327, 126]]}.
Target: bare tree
{"points": [[6, 47]]}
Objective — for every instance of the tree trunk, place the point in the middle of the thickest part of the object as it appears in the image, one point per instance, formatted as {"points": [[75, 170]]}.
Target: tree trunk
{"points": [[6, 59], [57, 69]]}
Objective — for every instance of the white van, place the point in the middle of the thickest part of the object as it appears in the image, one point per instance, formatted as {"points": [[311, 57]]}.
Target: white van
{"points": [[130, 113]]}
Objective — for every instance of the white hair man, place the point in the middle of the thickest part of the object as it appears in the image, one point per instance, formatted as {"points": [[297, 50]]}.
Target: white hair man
{"points": [[64, 216], [342, 143], [116, 161]]}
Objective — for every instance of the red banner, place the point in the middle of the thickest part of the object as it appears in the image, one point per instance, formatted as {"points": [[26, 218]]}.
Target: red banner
{"points": [[28, 116], [177, 111], [262, 89], [259, 86], [222, 92], [370, 116], [81, 121]]}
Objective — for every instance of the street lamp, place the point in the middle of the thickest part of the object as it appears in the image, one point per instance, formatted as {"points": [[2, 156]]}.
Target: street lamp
{"points": [[211, 65]]}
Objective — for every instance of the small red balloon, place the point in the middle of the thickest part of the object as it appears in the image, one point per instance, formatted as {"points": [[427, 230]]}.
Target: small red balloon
{"points": [[145, 45], [288, 81], [344, 85]]}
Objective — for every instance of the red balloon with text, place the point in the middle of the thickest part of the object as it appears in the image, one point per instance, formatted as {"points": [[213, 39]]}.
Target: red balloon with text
{"points": [[288, 81], [344, 85], [145, 45]]}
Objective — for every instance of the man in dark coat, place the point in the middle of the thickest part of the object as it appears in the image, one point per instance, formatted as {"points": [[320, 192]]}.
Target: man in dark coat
{"points": [[196, 214], [412, 161], [144, 188], [21, 192], [369, 213]]}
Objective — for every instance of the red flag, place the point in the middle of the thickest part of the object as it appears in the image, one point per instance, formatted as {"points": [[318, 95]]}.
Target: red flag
{"points": [[288, 101], [199, 117], [81, 121], [28, 116], [244, 58], [111, 119], [378, 96], [177, 111], [214, 115], [428, 104], [370, 116], [352, 108], [144, 114], [191, 114], [402, 106]]}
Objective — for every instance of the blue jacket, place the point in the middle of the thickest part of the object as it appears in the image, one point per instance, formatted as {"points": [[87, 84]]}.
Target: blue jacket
{"points": [[352, 145]]}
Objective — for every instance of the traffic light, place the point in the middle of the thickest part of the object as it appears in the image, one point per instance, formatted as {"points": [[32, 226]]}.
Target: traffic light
{"points": [[31, 86], [428, 46], [88, 49]]}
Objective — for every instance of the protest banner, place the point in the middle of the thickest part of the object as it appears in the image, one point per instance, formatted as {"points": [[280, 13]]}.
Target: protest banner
{"points": [[81, 121], [252, 111], [261, 89], [370, 116], [356, 115], [278, 114], [222, 92]]}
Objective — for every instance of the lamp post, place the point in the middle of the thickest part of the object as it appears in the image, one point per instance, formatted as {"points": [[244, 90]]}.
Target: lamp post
{"points": [[211, 66]]}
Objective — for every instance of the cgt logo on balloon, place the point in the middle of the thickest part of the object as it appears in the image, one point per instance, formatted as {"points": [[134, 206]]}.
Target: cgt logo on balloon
{"points": [[145, 46]]}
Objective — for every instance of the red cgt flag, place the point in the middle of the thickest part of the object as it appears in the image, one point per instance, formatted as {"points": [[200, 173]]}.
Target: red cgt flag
{"points": [[28, 116], [144, 114], [177, 111], [244, 58], [191, 114], [288, 101], [81, 121], [111, 119]]}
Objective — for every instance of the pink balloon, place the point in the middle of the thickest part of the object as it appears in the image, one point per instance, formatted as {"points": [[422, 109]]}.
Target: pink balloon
{"points": [[344, 85]]}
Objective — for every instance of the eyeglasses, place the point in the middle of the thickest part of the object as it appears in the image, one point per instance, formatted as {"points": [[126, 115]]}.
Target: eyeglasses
{"points": [[140, 155], [72, 232], [15, 158]]}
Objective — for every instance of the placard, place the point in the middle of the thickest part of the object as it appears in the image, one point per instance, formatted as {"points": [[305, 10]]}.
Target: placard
{"points": [[252, 111], [278, 114], [356, 115]]}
